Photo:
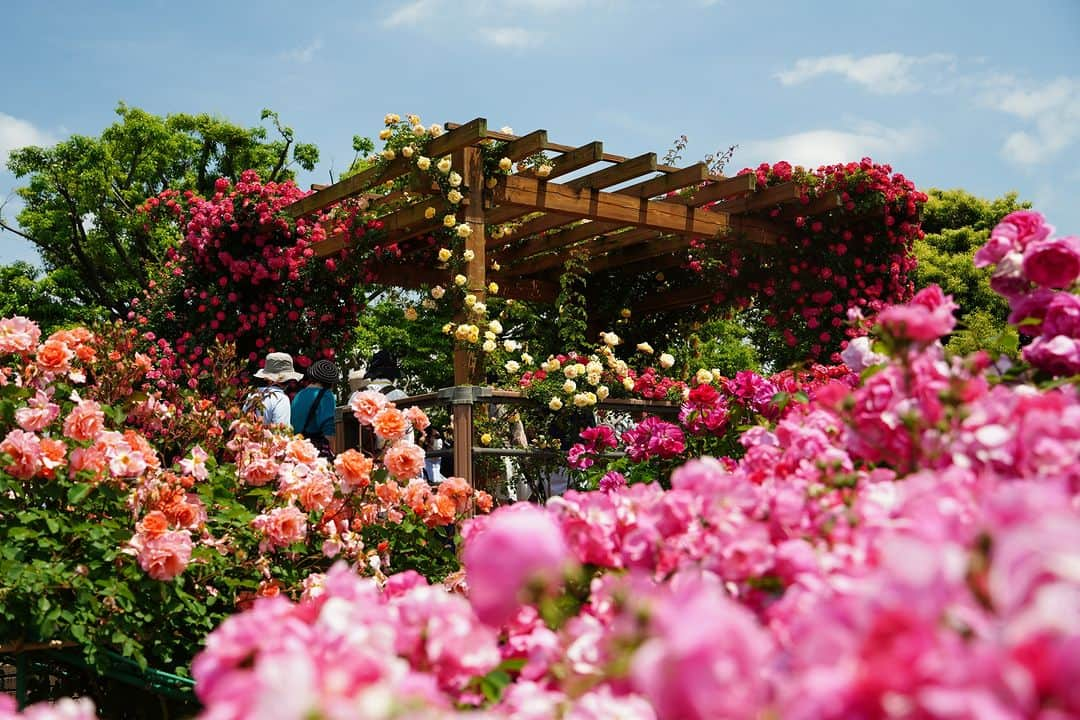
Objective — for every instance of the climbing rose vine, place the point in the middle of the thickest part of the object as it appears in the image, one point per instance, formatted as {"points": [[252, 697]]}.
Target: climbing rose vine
{"points": [[246, 273]]}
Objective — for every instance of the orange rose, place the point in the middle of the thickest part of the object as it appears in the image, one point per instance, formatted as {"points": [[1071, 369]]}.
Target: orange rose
{"points": [[354, 469], [404, 460], [390, 424], [155, 524], [54, 356], [388, 492], [53, 455], [417, 496], [483, 501], [301, 450], [85, 353], [440, 511]]}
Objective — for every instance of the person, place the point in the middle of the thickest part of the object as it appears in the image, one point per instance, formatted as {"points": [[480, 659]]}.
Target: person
{"points": [[270, 400], [383, 373], [313, 407], [432, 441]]}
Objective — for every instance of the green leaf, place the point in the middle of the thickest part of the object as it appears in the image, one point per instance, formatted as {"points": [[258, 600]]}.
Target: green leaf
{"points": [[78, 492]]}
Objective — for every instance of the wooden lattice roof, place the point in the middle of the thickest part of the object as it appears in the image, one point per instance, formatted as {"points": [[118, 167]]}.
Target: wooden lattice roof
{"points": [[629, 215]]}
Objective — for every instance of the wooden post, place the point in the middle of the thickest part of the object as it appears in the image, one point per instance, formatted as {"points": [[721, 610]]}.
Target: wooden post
{"points": [[468, 367], [463, 432]]}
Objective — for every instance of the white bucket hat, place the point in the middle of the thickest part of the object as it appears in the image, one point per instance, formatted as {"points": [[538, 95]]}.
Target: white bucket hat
{"points": [[278, 368]]}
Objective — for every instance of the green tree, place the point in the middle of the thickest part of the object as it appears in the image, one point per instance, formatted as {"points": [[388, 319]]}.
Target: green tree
{"points": [[957, 224], [81, 193], [46, 297]]}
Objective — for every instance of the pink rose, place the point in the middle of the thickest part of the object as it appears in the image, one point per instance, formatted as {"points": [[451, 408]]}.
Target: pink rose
{"points": [[707, 657], [519, 552], [1053, 262], [164, 556], [281, 527], [926, 318], [38, 413], [85, 421], [1062, 316], [1021, 228], [1057, 355], [18, 335], [24, 448]]}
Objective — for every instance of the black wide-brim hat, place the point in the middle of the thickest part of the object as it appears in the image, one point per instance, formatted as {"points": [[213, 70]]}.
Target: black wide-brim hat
{"points": [[325, 372]]}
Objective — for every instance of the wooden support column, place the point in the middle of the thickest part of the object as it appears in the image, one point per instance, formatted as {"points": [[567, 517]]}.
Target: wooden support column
{"points": [[468, 365], [463, 433]]}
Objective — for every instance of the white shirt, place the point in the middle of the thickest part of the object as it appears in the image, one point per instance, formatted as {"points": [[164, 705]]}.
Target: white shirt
{"points": [[276, 408]]}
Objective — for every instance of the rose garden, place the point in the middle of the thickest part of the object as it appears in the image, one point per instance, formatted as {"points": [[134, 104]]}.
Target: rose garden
{"points": [[874, 522]]}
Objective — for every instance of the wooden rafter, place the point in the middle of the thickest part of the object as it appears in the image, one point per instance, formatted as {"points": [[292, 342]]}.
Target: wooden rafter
{"points": [[609, 207]]}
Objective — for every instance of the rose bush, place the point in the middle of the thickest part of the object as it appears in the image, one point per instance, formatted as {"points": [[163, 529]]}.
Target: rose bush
{"points": [[903, 548], [137, 516]]}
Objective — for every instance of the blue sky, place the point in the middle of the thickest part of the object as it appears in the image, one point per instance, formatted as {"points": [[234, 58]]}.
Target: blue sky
{"points": [[978, 94]]}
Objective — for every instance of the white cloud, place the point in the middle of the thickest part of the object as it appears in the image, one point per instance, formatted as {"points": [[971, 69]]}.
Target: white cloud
{"points": [[511, 37], [885, 73], [1052, 109], [304, 54], [411, 13], [16, 133], [825, 147]]}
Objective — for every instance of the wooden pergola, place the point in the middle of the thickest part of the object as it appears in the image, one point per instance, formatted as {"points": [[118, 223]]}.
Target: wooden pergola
{"points": [[622, 214], [631, 216]]}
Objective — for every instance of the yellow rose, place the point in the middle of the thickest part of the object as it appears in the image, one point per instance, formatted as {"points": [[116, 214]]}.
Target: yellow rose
{"points": [[438, 291], [485, 439], [469, 255], [454, 179], [385, 134], [610, 339], [495, 326], [569, 386], [628, 383], [555, 404], [418, 130], [464, 230], [444, 254], [413, 119], [493, 288], [435, 130], [488, 335], [389, 119], [703, 377], [444, 165], [512, 366], [423, 163], [527, 358], [602, 392], [505, 164], [470, 300], [454, 197], [625, 312], [495, 266], [489, 346], [666, 360], [449, 221], [429, 213], [447, 328], [460, 280], [645, 348], [428, 303], [544, 170], [511, 345], [410, 314], [388, 154], [407, 151]]}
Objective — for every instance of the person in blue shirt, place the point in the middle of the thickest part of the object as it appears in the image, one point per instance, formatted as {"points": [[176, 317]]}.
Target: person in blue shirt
{"points": [[270, 400], [313, 407]]}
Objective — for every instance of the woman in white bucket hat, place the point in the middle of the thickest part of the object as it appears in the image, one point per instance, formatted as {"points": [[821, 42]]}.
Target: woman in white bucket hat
{"points": [[274, 405]]}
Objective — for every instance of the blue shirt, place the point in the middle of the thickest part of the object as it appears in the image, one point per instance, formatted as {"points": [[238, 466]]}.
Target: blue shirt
{"points": [[274, 404], [322, 420]]}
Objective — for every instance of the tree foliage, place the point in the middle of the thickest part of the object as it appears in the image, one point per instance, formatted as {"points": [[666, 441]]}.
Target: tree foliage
{"points": [[957, 224], [81, 193], [47, 297]]}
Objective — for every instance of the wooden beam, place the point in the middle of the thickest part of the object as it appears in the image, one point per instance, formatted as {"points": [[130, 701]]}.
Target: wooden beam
{"points": [[697, 173], [720, 190], [401, 224], [817, 206], [573, 159], [526, 145], [455, 139], [620, 173], [608, 207], [764, 198], [675, 298], [537, 264], [635, 253]]}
